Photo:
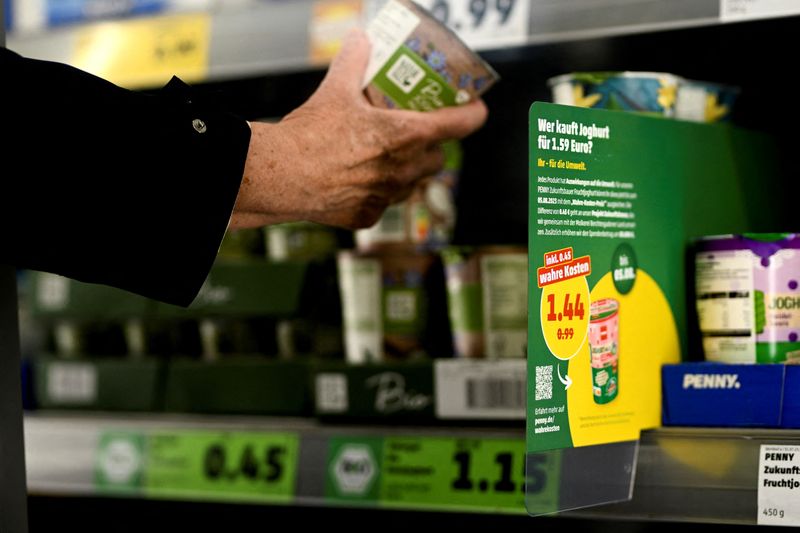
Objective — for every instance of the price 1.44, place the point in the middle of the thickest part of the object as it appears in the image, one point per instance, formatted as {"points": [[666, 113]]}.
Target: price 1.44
{"points": [[570, 310]]}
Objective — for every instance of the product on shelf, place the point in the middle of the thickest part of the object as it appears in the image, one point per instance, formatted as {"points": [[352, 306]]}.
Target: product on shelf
{"points": [[487, 300], [386, 303], [748, 297], [654, 93], [604, 349], [427, 219], [242, 244], [418, 63], [300, 241], [319, 334]]}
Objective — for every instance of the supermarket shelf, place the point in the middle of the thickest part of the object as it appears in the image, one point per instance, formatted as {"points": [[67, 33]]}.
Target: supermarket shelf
{"points": [[271, 36], [684, 474]]}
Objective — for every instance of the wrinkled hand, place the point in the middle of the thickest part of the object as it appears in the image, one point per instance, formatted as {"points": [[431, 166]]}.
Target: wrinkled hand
{"points": [[340, 161]]}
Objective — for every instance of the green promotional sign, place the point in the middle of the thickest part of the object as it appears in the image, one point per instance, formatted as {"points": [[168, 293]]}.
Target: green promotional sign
{"points": [[475, 474], [615, 198], [237, 466]]}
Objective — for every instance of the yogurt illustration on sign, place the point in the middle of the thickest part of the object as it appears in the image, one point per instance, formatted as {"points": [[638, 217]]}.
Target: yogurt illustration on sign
{"points": [[604, 349]]}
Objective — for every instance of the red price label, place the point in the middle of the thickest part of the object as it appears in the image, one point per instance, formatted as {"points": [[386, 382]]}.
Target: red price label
{"points": [[570, 311]]}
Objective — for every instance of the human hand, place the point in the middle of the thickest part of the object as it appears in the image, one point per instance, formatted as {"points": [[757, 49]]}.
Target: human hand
{"points": [[340, 161]]}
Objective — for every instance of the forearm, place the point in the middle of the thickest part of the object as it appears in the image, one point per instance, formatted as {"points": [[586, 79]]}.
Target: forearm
{"points": [[116, 187]]}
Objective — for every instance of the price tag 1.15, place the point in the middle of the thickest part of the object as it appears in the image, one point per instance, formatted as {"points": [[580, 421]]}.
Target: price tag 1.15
{"points": [[484, 24], [475, 474], [236, 466]]}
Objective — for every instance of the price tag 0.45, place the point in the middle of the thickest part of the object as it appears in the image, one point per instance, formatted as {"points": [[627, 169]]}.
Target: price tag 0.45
{"points": [[238, 466], [484, 24]]}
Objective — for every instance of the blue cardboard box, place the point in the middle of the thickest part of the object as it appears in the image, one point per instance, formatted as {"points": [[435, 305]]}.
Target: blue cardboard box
{"points": [[714, 394]]}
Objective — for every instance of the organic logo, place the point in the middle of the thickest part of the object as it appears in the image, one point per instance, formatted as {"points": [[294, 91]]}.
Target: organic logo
{"points": [[354, 469], [391, 395]]}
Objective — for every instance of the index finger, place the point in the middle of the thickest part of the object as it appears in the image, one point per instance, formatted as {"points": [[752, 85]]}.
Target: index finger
{"points": [[454, 122]]}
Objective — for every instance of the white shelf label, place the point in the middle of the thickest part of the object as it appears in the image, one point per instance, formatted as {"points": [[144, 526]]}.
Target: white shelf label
{"points": [[72, 383], [484, 24], [736, 10], [779, 485], [331, 389], [481, 389], [53, 293]]}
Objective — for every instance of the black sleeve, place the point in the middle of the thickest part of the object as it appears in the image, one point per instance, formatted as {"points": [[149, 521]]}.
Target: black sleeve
{"points": [[106, 185]]}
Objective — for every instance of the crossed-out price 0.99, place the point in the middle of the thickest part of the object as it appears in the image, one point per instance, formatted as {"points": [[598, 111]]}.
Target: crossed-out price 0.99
{"points": [[483, 22], [564, 316], [443, 10]]}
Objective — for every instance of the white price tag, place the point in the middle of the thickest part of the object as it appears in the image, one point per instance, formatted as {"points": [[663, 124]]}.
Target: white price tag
{"points": [[331, 394], [779, 485], [72, 383], [736, 10], [484, 24], [481, 389], [53, 292]]}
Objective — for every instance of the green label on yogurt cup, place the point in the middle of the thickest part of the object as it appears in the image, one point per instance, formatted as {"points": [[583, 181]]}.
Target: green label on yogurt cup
{"points": [[412, 84]]}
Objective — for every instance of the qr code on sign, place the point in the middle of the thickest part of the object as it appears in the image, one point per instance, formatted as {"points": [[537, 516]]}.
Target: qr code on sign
{"points": [[544, 382], [405, 73]]}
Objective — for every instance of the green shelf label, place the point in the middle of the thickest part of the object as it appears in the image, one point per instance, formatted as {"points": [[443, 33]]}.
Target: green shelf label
{"points": [[454, 473], [474, 474], [213, 465]]}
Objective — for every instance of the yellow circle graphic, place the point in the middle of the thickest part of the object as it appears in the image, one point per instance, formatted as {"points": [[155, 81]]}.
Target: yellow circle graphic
{"points": [[564, 315], [647, 339]]}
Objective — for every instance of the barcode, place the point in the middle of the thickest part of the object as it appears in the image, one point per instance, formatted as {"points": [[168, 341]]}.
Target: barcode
{"points": [[544, 383], [495, 393]]}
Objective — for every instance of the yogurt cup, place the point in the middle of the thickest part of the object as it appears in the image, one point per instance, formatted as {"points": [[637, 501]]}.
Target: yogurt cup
{"points": [[418, 63], [385, 304], [747, 290], [652, 93], [604, 349], [487, 300]]}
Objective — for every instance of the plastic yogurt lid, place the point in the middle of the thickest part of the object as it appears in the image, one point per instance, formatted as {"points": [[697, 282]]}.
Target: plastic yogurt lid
{"points": [[761, 244], [603, 309], [602, 76]]}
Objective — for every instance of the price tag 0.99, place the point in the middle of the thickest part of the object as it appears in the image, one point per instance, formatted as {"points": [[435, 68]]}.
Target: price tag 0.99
{"points": [[484, 23], [225, 466]]}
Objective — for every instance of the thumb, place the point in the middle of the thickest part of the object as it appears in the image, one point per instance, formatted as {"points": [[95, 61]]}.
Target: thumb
{"points": [[348, 67]]}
